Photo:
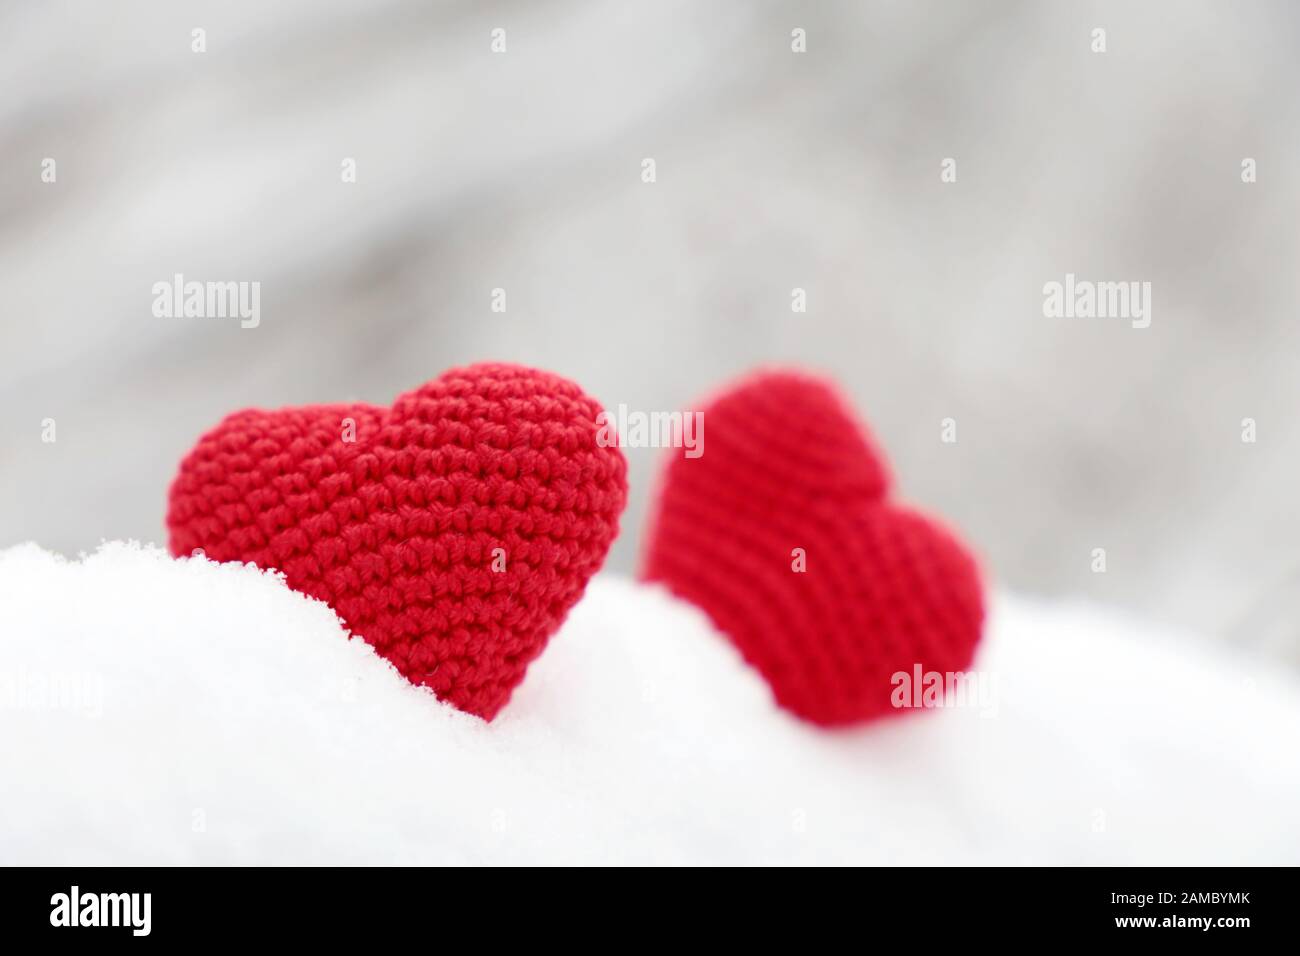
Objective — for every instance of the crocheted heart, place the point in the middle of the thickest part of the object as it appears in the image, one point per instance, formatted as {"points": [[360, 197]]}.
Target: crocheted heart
{"points": [[453, 531], [783, 531]]}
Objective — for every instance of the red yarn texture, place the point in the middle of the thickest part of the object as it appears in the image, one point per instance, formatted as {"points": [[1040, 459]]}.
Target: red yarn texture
{"points": [[787, 466], [397, 530]]}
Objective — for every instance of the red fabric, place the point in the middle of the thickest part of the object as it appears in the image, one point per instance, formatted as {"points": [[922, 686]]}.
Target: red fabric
{"points": [[396, 530], [785, 466]]}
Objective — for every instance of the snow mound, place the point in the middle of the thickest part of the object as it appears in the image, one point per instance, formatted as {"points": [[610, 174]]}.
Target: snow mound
{"points": [[177, 711]]}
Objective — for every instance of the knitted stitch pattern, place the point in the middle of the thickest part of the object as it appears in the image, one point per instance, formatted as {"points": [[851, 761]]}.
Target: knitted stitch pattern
{"points": [[786, 466], [453, 531]]}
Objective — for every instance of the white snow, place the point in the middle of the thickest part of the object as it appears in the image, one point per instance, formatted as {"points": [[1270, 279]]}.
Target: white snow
{"points": [[162, 711]]}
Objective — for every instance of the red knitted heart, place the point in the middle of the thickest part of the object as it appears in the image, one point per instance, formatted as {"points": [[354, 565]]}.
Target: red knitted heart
{"points": [[453, 531], [786, 466]]}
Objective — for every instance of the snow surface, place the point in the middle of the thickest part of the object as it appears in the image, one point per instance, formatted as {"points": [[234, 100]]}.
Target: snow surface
{"points": [[163, 711]]}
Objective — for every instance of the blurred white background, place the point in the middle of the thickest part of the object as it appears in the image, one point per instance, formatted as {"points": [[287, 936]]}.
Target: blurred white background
{"points": [[775, 170]]}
